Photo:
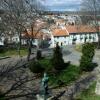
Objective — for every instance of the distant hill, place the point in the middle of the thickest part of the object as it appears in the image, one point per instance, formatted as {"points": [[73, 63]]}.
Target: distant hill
{"points": [[68, 12]]}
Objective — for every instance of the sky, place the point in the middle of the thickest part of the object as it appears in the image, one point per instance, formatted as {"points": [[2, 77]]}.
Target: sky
{"points": [[62, 5]]}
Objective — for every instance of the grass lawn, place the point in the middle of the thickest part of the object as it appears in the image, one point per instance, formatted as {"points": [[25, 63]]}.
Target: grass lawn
{"points": [[68, 75], [13, 52], [89, 94]]}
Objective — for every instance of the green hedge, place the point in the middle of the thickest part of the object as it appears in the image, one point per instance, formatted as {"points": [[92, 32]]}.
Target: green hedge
{"points": [[88, 51]]}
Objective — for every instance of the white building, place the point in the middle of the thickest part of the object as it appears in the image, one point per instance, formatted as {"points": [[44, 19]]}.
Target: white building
{"points": [[2, 41], [73, 35]]}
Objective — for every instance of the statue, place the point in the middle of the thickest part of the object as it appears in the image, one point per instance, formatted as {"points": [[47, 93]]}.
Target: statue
{"points": [[44, 87], [45, 80]]}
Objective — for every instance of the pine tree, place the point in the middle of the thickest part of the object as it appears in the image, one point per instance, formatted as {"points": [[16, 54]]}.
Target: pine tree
{"points": [[88, 52], [57, 60]]}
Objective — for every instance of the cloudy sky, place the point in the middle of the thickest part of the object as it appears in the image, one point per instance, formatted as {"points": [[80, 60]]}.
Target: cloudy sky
{"points": [[62, 5]]}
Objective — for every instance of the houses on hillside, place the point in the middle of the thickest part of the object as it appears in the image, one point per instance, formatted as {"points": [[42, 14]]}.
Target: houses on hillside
{"points": [[63, 35], [70, 35], [64, 30]]}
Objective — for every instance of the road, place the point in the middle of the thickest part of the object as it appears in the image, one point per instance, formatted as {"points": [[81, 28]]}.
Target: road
{"points": [[14, 59]]}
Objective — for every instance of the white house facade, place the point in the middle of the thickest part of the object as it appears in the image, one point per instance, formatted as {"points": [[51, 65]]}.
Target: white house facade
{"points": [[71, 35]]}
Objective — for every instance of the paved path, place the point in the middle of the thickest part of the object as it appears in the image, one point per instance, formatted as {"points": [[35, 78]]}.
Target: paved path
{"points": [[69, 54], [14, 59]]}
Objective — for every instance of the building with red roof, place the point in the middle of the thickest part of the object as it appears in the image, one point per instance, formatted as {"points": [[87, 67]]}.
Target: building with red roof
{"points": [[73, 34]]}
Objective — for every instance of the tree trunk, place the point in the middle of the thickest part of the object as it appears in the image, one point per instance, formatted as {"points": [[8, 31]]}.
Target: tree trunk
{"points": [[19, 44], [98, 40], [29, 49]]}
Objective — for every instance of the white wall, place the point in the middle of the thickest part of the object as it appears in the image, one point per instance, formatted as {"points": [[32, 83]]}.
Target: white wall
{"points": [[52, 43], [35, 42], [68, 40], [2, 41]]}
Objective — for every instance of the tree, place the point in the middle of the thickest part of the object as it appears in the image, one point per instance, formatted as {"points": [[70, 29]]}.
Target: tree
{"points": [[57, 60], [92, 7], [88, 52], [15, 81], [35, 31], [39, 54], [19, 16], [36, 67]]}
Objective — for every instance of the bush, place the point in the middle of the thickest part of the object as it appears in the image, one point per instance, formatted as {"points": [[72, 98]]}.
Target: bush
{"points": [[39, 55], [36, 67], [2, 97], [57, 60], [88, 51], [46, 64], [2, 49], [66, 76]]}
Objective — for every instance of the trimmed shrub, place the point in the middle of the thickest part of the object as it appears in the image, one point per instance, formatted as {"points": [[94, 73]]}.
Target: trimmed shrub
{"points": [[39, 55], [36, 67], [46, 64], [88, 51], [2, 96], [2, 49], [57, 60]]}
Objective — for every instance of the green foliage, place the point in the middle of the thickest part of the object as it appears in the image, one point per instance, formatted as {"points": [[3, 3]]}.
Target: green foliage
{"points": [[2, 97], [2, 49], [40, 66], [70, 74], [88, 51], [57, 60], [39, 54], [13, 52], [36, 67], [46, 64]]}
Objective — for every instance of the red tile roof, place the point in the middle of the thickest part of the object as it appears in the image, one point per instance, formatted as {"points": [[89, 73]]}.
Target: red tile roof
{"points": [[60, 32], [81, 29], [73, 29]]}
